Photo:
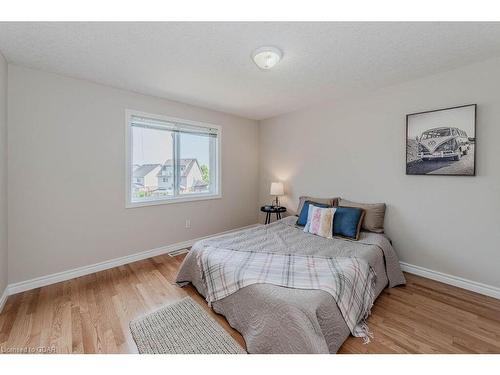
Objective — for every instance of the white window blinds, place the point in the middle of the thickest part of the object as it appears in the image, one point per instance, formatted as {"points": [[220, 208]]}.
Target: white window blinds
{"points": [[174, 126]]}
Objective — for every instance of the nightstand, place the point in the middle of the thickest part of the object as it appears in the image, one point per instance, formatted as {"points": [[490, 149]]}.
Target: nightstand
{"points": [[269, 210]]}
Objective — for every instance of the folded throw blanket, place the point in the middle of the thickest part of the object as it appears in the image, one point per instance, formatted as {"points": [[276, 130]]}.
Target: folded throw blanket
{"points": [[350, 280]]}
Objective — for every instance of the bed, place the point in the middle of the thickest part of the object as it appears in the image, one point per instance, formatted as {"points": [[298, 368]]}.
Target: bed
{"points": [[276, 319]]}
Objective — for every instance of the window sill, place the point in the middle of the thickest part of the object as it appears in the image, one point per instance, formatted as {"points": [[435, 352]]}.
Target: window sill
{"points": [[192, 198]]}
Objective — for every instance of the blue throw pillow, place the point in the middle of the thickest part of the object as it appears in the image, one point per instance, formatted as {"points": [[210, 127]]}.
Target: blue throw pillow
{"points": [[305, 210], [347, 222]]}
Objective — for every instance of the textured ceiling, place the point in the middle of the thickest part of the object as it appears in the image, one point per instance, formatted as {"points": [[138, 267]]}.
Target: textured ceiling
{"points": [[208, 64]]}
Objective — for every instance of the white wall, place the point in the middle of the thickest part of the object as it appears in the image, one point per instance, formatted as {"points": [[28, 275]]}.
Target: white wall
{"points": [[355, 148], [3, 174], [67, 176]]}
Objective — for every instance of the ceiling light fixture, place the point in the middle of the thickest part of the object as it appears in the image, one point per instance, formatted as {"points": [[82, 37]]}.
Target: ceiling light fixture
{"points": [[266, 57]]}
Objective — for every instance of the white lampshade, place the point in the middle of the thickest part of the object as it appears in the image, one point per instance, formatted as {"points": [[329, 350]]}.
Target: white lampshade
{"points": [[277, 188]]}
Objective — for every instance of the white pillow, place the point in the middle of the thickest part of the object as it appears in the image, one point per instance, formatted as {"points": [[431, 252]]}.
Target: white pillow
{"points": [[309, 214], [320, 221]]}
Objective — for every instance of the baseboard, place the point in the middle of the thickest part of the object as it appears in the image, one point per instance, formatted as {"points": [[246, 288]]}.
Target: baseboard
{"points": [[3, 298], [474, 286], [38, 282]]}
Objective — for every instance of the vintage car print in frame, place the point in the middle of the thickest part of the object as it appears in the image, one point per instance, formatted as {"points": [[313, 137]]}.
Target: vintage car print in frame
{"points": [[442, 142]]}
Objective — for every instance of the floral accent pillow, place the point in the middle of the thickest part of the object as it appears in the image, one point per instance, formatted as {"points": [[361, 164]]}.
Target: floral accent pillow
{"points": [[320, 221]]}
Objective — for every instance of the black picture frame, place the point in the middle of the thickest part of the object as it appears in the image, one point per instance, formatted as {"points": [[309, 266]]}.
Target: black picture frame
{"points": [[414, 166]]}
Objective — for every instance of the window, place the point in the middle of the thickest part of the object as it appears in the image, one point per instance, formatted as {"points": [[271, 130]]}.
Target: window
{"points": [[171, 160]]}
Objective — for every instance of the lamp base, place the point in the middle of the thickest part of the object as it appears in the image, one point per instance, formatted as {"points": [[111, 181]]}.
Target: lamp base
{"points": [[277, 202]]}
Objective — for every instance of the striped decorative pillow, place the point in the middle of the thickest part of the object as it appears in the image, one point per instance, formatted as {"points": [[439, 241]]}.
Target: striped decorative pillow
{"points": [[320, 221]]}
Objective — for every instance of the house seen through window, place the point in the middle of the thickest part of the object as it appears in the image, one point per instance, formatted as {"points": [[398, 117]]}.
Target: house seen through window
{"points": [[171, 160]]}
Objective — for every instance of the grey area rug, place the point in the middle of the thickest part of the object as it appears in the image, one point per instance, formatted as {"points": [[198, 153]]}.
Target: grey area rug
{"points": [[182, 328]]}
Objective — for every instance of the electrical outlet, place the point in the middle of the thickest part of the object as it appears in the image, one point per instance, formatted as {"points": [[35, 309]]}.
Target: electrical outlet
{"points": [[188, 223]]}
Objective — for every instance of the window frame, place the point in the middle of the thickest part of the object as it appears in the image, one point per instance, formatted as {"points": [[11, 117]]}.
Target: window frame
{"points": [[176, 198]]}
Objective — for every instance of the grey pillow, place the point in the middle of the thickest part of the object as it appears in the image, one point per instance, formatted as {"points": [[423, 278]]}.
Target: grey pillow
{"points": [[374, 214], [333, 202]]}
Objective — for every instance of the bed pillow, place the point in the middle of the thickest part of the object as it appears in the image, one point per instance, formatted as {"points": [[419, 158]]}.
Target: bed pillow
{"points": [[320, 221], [374, 214], [302, 220], [309, 214], [347, 222], [331, 202]]}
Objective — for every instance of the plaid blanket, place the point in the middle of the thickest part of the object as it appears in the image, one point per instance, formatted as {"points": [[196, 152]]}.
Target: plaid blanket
{"points": [[350, 280]]}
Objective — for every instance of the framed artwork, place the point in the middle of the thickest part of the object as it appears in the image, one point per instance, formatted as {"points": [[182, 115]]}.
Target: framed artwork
{"points": [[442, 142]]}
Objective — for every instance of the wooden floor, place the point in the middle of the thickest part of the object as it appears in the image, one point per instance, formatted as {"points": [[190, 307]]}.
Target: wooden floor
{"points": [[90, 314]]}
